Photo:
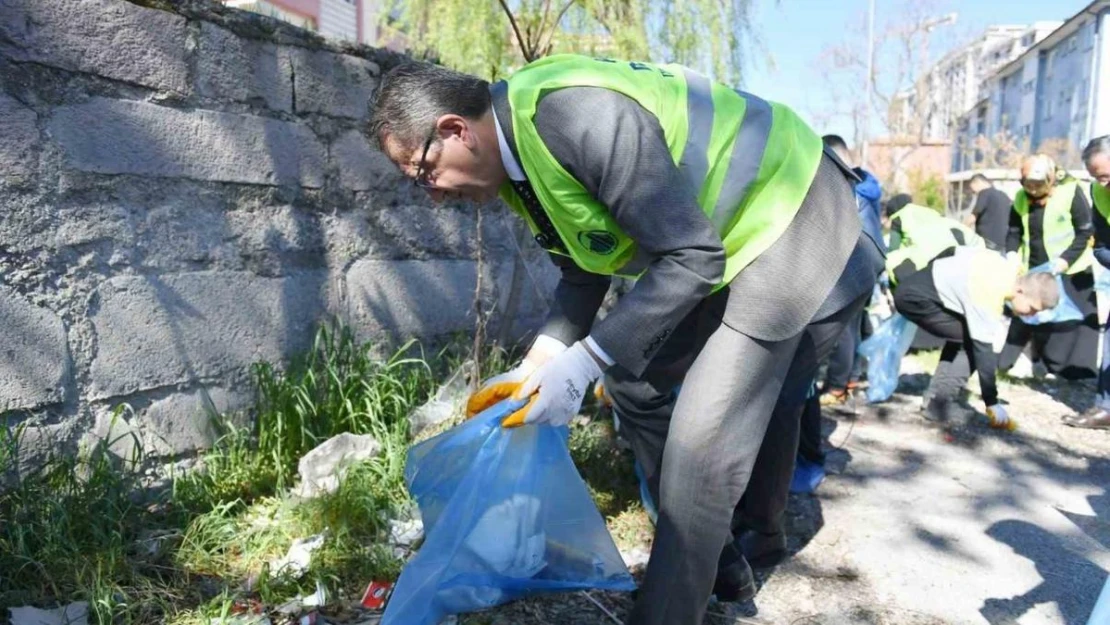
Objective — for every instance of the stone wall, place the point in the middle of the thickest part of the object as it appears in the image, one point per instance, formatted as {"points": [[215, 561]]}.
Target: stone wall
{"points": [[185, 190]]}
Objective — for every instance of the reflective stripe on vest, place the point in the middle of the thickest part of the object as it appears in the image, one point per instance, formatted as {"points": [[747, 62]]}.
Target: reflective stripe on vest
{"points": [[1057, 229], [926, 235], [745, 160], [750, 161]]}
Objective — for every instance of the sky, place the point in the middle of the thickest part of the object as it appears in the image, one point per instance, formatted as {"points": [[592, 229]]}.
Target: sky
{"points": [[795, 32]]}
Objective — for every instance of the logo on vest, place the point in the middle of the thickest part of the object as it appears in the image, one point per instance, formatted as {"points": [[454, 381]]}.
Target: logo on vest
{"points": [[598, 241]]}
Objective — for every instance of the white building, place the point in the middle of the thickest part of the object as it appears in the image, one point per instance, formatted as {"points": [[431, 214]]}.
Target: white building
{"points": [[955, 84], [1056, 91]]}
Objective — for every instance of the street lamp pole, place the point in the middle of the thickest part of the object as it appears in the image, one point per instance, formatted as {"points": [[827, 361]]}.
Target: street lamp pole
{"points": [[868, 84]]}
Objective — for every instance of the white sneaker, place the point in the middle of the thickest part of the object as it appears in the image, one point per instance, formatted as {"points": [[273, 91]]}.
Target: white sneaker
{"points": [[1022, 369]]}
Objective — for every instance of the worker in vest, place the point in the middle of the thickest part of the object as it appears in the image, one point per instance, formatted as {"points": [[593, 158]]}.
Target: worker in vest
{"points": [[749, 254], [961, 297], [1096, 156], [918, 234], [1051, 223]]}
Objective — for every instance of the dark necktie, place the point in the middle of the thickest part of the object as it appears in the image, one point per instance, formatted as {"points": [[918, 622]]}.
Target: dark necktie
{"points": [[547, 237]]}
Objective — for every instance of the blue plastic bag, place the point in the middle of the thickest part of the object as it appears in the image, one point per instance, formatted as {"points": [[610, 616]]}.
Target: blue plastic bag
{"points": [[884, 351], [1102, 280], [1065, 309], [506, 515]]}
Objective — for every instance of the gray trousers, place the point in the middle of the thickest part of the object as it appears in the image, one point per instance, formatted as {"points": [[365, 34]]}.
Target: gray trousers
{"points": [[722, 462]]}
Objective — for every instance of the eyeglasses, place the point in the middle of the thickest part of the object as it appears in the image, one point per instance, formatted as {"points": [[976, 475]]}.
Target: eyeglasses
{"points": [[421, 179]]}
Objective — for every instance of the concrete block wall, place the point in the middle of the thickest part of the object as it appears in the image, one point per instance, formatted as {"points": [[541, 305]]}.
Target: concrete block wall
{"points": [[185, 190]]}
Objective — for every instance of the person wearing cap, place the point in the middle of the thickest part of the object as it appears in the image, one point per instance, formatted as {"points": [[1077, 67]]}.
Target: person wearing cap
{"points": [[1096, 157], [744, 236], [1050, 223]]}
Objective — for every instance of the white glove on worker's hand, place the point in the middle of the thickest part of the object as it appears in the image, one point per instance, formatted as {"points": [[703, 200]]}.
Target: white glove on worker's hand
{"points": [[504, 385], [999, 418], [556, 389], [1059, 266]]}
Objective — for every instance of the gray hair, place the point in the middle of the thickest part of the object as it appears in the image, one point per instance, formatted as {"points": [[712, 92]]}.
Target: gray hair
{"points": [[1042, 287], [1096, 146], [412, 96]]}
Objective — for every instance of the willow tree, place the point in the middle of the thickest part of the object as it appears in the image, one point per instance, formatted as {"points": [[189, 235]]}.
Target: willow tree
{"points": [[489, 38]]}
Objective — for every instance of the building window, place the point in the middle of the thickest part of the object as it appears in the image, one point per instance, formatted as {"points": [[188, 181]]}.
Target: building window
{"points": [[1027, 40], [1028, 87], [1048, 108]]}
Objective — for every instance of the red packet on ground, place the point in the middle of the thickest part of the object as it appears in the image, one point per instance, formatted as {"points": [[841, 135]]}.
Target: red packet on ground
{"points": [[376, 594]]}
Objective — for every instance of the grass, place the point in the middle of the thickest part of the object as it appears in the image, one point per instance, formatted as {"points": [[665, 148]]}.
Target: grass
{"points": [[611, 479], [70, 531], [87, 528]]}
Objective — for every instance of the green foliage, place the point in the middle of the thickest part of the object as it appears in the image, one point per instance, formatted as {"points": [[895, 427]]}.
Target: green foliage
{"points": [[76, 529], [607, 470], [73, 529], [928, 190], [339, 386], [476, 36], [79, 528]]}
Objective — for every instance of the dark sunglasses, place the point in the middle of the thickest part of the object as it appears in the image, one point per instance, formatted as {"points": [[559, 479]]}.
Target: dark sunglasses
{"points": [[421, 179]]}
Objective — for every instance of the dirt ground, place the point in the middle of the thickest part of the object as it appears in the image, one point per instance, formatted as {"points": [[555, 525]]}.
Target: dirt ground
{"points": [[919, 525]]}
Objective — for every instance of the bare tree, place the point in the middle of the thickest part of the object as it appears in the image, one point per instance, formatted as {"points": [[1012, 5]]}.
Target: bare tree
{"points": [[902, 87], [1002, 150], [1064, 152]]}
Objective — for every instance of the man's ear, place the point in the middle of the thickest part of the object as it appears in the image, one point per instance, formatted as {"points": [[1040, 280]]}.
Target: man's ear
{"points": [[452, 125]]}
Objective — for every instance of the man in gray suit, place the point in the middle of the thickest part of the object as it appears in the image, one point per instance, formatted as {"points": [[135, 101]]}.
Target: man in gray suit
{"points": [[750, 256]]}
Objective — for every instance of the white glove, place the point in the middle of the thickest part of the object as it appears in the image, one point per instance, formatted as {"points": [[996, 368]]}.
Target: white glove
{"points": [[559, 387], [999, 418], [1059, 266], [505, 384]]}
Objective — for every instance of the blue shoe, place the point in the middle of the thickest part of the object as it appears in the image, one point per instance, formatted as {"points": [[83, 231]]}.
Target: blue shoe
{"points": [[645, 495], [807, 476]]}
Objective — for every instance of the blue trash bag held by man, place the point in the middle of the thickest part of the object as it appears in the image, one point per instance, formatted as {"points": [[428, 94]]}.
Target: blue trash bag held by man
{"points": [[506, 515], [884, 351], [1065, 309]]}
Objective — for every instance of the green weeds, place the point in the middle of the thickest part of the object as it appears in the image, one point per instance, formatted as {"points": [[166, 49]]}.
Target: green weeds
{"points": [[87, 527]]}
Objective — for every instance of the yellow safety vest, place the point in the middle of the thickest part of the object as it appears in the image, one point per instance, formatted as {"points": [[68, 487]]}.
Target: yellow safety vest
{"points": [[751, 161], [1058, 230], [925, 235]]}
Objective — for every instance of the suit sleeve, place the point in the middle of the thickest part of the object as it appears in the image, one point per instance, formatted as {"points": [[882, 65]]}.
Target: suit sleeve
{"points": [[578, 296], [1015, 232], [986, 327], [1081, 221], [617, 150], [986, 365]]}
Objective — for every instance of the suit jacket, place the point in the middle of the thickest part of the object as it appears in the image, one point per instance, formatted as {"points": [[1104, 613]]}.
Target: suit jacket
{"points": [[617, 150]]}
